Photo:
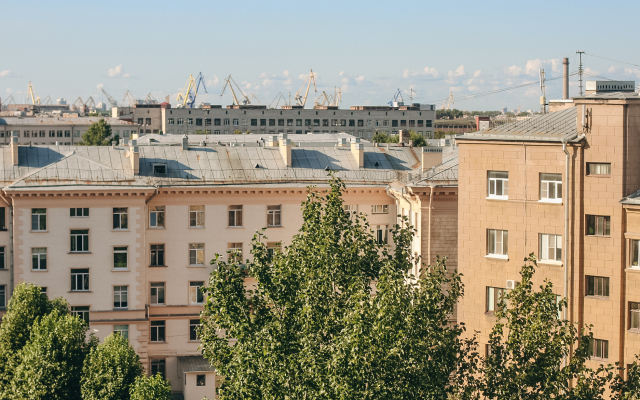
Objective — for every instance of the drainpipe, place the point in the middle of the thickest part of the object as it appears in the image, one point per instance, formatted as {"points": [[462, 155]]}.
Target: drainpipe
{"points": [[9, 221], [566, 227], [429, 230]]}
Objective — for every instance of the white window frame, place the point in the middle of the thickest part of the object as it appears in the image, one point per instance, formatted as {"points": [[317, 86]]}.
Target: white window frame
{"points": [[635, 254], [634, 315], [80, 278], [274, 216], [121, 297], [381, 233], [157, 290], [235, 247], [3, 296], [156, 250], [601, 286], [599, 349], [196, 254], [39, 258], [550, 247], [601, 169], [235, 216], [497, 243], [156, 214], [123, 330], [121, 250], [120, 218], [81, 312], [379, 209], [82, 238], [39, 219], [193, 327], [498, 185], [156, 329], [195, 293], [196, 216], [493, 296], [551, 188], [602, 224]]}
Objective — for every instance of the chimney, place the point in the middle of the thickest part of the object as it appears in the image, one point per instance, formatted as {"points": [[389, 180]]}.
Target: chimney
{"points": [[357, 149], [565, 78], [403, 136], [185, 143], [285, 150], [273, 141], [134, 155], [342, 142], [14, 147], [431, 156]]}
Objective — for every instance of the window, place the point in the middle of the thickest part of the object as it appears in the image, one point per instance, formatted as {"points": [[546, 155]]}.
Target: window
{"points": [[498, 184], [235, 252], [52, 133], [360, 122], [2, 260], [79, 280], [550, 247], [380, 209], [193, 329], [272, 247], [43, 290], [597, 286], [235, 216], [273, 216], [394, 123], [200, 380], [272, 122], [120, 218], [157, 293], [170, 121], [120, 297], [180, 121], [81, 312], [157, 332], [67, 133], [216, 121], [156, 217], [196, 296], [598, 225], [38, 219], [79, 240], [38, 258], [254, 122], [497, 241], [599, 348], [3, 296], [157, 367], [3, 219], [494, 295], [290, 122], [196, 254], [263, 122], [78, 212], [598, 169], [487, 350], [140, 121], [196, 216], [157, 255], [551, 187], [351, 208], [207, 122], [381, 232], [159, 169], [634, 315], [190, 121], [122, 330], [120, 257], [235, 122], [198, 121]]}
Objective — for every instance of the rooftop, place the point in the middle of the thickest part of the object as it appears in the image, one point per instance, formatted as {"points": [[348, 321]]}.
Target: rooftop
{"points": [[251, 140], [60, 121]]}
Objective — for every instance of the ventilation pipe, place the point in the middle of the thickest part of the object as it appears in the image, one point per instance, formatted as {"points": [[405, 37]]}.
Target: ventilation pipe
{"points": [[134, 155], [14, 147], [565, 78], [185, 143], [357, 149]]}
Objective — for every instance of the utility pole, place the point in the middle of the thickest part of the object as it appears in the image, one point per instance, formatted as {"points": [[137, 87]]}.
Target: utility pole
{"points": [[543, 99], [580, 70]]}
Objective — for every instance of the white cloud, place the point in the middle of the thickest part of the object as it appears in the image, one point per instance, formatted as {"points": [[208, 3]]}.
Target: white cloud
{"points": [[458, 72], [345, 80], [286, 73], [302, 76], [533, 67], [360, 79], [214, 81], [263, 75], [248, 86], [100, 86], [613, 69], [513, 70], [9, 90], [113, 72], [341, 73], [288, 82], [426, 71], [473, 88], [6, 72], [267, 82], [555, 64], [589, 71], [477, 73], [126, 76], [455, 88]]}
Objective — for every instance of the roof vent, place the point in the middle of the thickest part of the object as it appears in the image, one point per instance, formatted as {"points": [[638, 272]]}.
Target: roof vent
{"points": [[327, 168], [203, 144], [185, 142], [376, 164], [257, 166]]}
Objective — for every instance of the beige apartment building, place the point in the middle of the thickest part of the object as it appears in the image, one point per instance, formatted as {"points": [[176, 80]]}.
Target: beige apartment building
{"points": [[520, 192], [125, 233]]}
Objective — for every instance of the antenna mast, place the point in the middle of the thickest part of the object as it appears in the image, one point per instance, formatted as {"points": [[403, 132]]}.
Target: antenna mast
{"points": [[543, 99], [580, 70]]}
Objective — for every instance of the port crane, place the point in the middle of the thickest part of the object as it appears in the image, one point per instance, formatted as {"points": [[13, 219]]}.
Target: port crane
{"points": [[448, 102], [337, 97], [35, 100], [397, 99], [189, 92], [302, 100], [110, 99], [230, 82], [279, 97], [9, 100], [129, 97]]}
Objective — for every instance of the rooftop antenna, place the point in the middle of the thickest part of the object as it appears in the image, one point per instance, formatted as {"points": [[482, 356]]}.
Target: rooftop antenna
{"points": [[580, 70], [411, 93], [543, 98]]}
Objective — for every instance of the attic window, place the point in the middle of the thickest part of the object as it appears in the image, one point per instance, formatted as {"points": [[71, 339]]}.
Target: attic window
{"points": [[159, 169]]}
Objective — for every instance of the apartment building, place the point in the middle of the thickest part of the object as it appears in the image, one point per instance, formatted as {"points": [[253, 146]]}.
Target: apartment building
{"points": [[126, 233], [51, 130], [563, 186]]}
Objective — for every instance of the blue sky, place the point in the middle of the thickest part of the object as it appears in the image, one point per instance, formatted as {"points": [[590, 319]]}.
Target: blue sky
{"points": [[369, 49]]}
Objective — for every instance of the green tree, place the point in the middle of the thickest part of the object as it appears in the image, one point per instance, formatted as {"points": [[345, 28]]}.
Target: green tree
{"points": [[417, 139], [51, 360], [153, 388], [311, 328], [628, 389], [237, 132], [110, 369], [26, 305], [382, 137], [529, 344], [98, 134]]}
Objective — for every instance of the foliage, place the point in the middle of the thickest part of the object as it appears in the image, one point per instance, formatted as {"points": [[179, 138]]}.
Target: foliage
{"points": [[200, 132], [529, 344], [415, 137], [443, 134], [98, 134], [51, 360], [237, 132], [628, 389], [311, 327], [110, 369], [449, 114], [26, 305], [151, 388]]}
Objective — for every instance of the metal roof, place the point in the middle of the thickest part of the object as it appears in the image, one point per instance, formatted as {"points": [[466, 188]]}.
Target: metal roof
{"points": [[611, 96], [443, 174], [60, 121], [248, 139], [553, 127], [194, 364]]}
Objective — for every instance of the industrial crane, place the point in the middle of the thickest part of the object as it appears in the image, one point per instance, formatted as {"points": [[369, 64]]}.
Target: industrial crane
{"points": [[47, 100], [35, 100], [230, 82], [279, 97], [150, 99], [90, 103], [78, 104], [189, 92], [8, 100], [323, 100], [337, 97], [448, 102], [110, 99], [132, 100], [397, 99], [300, 100]]}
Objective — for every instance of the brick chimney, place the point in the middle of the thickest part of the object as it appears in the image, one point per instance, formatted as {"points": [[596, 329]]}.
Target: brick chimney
{"points": [[14, 147], [285, 150], [357, 149], [403, 136], [134, 155]]}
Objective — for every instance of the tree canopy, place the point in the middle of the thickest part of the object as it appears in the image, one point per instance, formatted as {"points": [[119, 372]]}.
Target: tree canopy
{"points": [[151, 388], [335, 315], [98, 134]]}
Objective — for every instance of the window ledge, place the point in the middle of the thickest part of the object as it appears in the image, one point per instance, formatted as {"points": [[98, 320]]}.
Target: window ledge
{"points": [[275, 226], [634, 330], [35, 270], [151, 342], [549, 201], [598, 236], [550, 262], [497, 198], [38, 231], [633, 269], [3, 229], [120, 230], [598, 359], [120, 270], [158, 266], [597, 297], [196, 227], [196, 266], [79, 252], [497, 257], [235, 227], [157, 227], [79, 291]]}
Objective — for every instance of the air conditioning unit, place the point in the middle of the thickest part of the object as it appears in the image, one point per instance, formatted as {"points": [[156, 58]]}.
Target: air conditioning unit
{"points": [[511, 284]]}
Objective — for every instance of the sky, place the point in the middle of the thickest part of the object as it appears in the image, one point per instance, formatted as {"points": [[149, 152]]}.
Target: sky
{"points": [[369, 49]]}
